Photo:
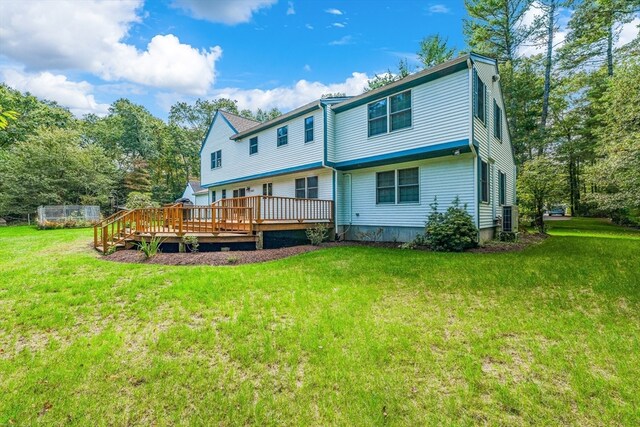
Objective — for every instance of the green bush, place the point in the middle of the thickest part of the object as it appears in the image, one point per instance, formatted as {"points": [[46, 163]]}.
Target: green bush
{"points": [[150, 248], [191, 242], [452, 230], [137, 200], [317, 234]]}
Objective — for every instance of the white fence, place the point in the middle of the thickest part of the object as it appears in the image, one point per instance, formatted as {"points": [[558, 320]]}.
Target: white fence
{"points": [[63, 213]]}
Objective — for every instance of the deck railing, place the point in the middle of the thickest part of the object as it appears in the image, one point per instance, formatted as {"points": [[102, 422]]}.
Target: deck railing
{"points": [[237, 215], [174, 220], [278, 209]]}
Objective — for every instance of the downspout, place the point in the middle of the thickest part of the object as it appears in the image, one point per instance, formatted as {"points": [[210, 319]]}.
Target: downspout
{"points": [[472, 147], [334, 172]]}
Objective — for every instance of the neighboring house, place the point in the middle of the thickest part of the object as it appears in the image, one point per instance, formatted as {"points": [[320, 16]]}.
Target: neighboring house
{"points": [[382, 156], [197, 194]]}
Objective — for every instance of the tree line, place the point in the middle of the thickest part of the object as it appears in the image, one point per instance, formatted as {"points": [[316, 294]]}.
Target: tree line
{"points": [[573, 114], [48, 156], [573, 108]]}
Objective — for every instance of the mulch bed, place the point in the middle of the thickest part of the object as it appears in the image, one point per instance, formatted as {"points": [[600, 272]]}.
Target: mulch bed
{"points": [[524, 241], [250, 257], [211, 258]]}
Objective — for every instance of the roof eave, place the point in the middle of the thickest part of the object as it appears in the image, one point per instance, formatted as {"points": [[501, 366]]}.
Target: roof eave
{"points": [[441, 70], [278, 120]]}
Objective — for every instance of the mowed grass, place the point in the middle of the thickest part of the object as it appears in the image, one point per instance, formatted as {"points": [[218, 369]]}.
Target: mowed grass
{"points": [[340, 336]]}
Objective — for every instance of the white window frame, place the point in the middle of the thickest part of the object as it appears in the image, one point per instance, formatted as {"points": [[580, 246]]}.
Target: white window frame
{"points": [[389, 113], [396, 187]]}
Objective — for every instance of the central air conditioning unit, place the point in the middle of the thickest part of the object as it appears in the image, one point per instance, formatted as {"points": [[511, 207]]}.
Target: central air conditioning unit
{"points": [[509, 223]]}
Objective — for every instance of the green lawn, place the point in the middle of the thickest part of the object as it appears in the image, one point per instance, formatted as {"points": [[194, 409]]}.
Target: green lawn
{"points": [[344, 336]]}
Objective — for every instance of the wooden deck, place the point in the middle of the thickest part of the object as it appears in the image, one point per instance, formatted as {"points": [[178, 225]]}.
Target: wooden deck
{"points": [[234, 220]]}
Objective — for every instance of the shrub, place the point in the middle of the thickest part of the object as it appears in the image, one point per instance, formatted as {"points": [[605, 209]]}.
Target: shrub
{"points": [[451, 231], [150, 248], [317, 234], [137, 200], [232, 259], [191, 242]]}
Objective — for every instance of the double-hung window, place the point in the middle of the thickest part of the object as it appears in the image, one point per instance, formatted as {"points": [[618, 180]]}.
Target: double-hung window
{"points": [[502, 184], [479, 98], [398, 186], [484, 182], [308, 129], [408, 187], [213, 196], [400, 110], [386, 187], [216, 159], [497, 121], [377, 117], [224, 194], [307, 188], [253, 145], [389, 114], [283, 136], [267, 189]]}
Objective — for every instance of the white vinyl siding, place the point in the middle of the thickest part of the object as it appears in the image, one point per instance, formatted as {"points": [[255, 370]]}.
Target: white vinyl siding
{"points": [[238, 163], [285, 185], [439, 111], [496, 153], [444, 178]]}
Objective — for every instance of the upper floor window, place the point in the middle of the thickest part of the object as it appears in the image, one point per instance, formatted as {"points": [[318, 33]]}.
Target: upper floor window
{"points": [[484, 182], [400, 110], [283, 135], [216, 159], [267, 189], [307, 188], [497, 120], [308, 129], [253, 145], [377, 112], [390, 114], [479, 97]]}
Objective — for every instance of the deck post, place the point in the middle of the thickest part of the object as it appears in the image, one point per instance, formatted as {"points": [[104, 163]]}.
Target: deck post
{"points": [[260, 240], [180, 220]]}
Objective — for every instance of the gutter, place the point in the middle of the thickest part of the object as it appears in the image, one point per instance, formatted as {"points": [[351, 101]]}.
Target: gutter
{"points": [[476, 155]]}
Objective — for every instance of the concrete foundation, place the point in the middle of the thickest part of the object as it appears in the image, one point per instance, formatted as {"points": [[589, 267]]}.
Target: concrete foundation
{"points": [[487, 234], [380, 234]]}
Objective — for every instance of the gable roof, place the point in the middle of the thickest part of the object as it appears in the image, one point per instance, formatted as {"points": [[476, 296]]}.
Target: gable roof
{"points": [[234, 122], [440, 70], [195, 185], [280, 119], [239, 123]]}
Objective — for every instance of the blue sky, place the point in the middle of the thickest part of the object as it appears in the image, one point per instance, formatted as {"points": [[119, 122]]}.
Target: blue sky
{"points": [[85, 54]]}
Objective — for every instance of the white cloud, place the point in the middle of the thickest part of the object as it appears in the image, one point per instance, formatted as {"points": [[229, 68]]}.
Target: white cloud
{"points": [[339, 24], [334, 11], [290, 9], [628, 32], [87, 36], [529, 17], [438, 8], [76, 96], [307, 67], [309, 26], [224, 11], [341, 41], [166, 63], [290, 97]]}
